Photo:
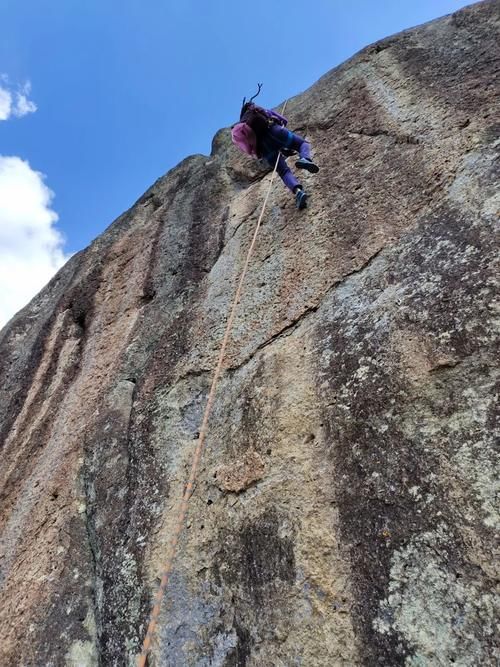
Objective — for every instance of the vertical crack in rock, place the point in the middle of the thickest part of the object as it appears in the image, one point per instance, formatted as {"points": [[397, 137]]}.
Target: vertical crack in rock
{"points": [[96, 569], [107, 485]]}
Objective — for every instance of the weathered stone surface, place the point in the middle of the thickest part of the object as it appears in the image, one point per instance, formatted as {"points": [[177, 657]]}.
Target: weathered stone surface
{"points": [[362, 372], [239, 475]]}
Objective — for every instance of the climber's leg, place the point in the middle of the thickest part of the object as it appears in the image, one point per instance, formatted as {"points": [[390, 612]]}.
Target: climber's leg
{"points": [[288, 178], [305, 161], [286, 139], [286, 174]]}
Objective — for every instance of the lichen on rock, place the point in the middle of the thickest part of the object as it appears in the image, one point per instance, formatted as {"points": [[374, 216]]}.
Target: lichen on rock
{"points": [[445, 619]]}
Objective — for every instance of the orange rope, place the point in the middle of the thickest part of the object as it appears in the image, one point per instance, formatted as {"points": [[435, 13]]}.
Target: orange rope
{"points": [[167, 571]]}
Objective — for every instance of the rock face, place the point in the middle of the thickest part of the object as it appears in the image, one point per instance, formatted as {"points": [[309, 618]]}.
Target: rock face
{"points": [[346, 511]]}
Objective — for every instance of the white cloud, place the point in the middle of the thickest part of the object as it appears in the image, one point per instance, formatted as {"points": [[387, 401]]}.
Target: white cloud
{"points": [[14, 99], [23, 105], [31, 248], [5, 103]]}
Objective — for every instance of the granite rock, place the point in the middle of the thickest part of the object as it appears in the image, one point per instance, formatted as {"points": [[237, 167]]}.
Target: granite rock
{"points": [[355, 421]]}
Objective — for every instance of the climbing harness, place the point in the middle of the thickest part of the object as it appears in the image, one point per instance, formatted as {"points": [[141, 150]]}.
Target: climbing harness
{"points": [[188, 490]]}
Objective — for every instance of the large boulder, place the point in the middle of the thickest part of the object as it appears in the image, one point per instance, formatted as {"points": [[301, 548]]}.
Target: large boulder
{"points": [[346, 509]]}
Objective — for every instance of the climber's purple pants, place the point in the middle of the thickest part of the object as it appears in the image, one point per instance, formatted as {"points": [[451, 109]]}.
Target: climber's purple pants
{"points": [[279, 137]]}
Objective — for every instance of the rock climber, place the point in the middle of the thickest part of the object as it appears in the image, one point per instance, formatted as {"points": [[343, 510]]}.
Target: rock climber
{"points": [[262, 133]]}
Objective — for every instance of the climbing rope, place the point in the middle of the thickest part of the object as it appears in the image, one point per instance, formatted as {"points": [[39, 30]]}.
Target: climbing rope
{"points": [[188, 490]]}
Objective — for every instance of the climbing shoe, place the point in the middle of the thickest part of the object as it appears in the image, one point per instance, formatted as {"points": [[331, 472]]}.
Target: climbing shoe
{"points": [[305, 163], [300, 199]]}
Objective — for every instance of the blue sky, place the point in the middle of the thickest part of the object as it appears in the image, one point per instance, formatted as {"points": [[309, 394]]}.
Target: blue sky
{"points": [[125, 90]]}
